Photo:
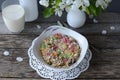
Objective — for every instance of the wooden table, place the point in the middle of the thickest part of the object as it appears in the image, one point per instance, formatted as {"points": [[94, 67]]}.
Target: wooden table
{"points": [[105, 63]]}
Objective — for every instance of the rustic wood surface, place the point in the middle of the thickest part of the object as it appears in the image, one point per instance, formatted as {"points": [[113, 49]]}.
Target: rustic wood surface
{"points": [[105, 63]]}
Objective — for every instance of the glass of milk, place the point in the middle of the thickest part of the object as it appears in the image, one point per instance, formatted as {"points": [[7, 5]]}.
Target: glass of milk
{"points": [[13, 15]]}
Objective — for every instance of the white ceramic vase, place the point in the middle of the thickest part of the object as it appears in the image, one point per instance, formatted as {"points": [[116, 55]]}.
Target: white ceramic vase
{"points": [[76, 18], [31, 9]]}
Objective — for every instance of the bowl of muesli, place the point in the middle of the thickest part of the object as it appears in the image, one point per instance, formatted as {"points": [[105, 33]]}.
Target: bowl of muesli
{"points": [[60, 48]]}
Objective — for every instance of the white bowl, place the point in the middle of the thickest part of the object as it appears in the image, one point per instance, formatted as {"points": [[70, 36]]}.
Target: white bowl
{"points": [[82, 41]]}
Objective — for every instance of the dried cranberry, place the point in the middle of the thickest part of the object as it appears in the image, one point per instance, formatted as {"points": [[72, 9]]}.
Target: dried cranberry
{"points": [[65, 60], [55, 47]]}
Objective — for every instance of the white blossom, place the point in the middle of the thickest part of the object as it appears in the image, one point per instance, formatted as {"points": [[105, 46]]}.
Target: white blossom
{"points": [[102, 3], [6, 53], [68, 4], [67, 8], [62, 5], [108, 1], [44, 2], [77, 3], [86, 3], [19, 59], [104, 32], [58, 12], [95, 20], [81, 3], [38, 26], [112, 27]]}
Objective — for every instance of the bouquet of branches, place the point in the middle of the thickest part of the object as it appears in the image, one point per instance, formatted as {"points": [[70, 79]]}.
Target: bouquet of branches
{"points": [[93, 7]]}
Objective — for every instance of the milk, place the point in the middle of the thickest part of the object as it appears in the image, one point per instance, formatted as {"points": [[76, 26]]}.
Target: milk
{"points": [[14, 18]]}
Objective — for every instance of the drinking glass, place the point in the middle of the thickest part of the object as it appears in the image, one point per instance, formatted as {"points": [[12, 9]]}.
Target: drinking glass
{"points": [[13, 15]]}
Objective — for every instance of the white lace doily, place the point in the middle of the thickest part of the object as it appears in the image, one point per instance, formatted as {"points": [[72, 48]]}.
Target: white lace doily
{"points": [[44, 72]]}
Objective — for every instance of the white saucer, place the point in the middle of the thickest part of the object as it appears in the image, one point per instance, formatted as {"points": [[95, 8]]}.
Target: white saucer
{"points": [[58, 75]]}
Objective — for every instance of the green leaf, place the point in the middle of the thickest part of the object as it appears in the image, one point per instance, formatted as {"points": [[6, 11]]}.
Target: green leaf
{"points": [[43, 45], [80, 7], [92, 9], [55, 38], [58, 52], [48, 12], [51, 1], [67, 55], [98, 10], [88, 11], [60, 56], [58, 2]]}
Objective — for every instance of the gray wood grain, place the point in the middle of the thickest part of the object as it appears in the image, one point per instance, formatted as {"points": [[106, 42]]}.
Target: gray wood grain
{"points": [[25, 41], [104, 17], [20, 79], [16, 41], [104, 64], [50, 79], [105, 22], [110, 42], [88, 29]]}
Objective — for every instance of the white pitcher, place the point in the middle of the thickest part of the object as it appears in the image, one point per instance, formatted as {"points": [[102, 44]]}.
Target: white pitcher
{"points": [[31, 9]]}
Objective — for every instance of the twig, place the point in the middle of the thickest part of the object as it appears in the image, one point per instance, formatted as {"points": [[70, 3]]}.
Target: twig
{"points": [[59, 23]]}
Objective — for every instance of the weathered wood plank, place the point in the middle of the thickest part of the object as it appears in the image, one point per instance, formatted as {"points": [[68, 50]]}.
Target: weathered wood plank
{"points": [[104, 41], [105, 21], [49, 79], [9, 67], [88, 29], [100, 58], [109, 17], [25, 41], [104, 64], [16, 41], [21, 79], [104, 17]]}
